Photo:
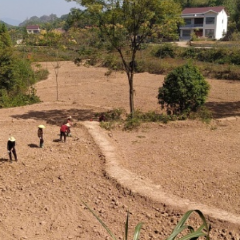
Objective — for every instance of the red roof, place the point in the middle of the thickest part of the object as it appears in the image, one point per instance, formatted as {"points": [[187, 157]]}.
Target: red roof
{"points": [[202, 10], [33, 27]]}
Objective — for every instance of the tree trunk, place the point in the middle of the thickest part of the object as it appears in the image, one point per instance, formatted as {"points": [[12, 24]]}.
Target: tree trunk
{"points": [[57, 86], [131, 94], [129, 69]]}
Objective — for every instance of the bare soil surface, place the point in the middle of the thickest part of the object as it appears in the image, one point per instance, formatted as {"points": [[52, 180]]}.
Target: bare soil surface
{"points": [[157, 172]]}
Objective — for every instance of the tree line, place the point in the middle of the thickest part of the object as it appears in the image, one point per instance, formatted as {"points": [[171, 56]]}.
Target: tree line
{"points": [[16, 75]]}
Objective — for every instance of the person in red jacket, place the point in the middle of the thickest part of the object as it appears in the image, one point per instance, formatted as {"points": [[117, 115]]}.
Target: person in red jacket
{"points": [[63, 132]]}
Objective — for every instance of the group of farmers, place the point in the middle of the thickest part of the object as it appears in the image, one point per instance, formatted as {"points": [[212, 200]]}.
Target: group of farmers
{"points": [[64, 132]]}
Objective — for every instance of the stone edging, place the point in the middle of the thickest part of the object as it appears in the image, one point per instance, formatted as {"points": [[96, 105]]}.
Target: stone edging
{"points": [[145, 187]]}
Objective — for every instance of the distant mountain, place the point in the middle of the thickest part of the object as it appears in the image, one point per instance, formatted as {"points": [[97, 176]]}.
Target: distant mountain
{"points": [[7, 25], [12, 22], [34, 20], [41, 20]]}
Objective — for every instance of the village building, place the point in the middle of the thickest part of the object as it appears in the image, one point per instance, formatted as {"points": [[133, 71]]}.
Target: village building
{"points": [[33, 29], [204, 22]]}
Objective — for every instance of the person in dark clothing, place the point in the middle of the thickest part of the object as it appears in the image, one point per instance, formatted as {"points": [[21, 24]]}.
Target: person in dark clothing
{"points": [[102, 118], [11, 148], [40, 135], [64, 131]]}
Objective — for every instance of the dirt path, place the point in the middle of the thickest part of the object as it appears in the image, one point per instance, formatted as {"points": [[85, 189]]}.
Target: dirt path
{"points": [[41, 195]]}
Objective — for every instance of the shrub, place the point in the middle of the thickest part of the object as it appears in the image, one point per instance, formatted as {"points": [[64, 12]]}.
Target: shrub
{"points": [[112, 62], [107, 125], [166, 50], [40, 73], [131, 123], [12, 99], [202, 113], [189, 53], [184, 90], [110, 119], [112, 115], [140, 117]]}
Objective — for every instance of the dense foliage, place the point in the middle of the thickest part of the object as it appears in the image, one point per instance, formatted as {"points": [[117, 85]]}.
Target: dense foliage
{"points": [[16, 75], [184, 90]]}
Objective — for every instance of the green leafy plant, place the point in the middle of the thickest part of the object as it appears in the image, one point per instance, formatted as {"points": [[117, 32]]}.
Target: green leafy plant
{"points": [[180, 229], [202, 231], [126, 233]]}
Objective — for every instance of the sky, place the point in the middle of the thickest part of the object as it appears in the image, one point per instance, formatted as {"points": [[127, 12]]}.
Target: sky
{"points": [[20, 10]]}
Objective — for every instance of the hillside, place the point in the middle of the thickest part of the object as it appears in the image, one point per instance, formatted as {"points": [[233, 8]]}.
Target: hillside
{"points": [[7, 25], [52, 18], [191, 162]]}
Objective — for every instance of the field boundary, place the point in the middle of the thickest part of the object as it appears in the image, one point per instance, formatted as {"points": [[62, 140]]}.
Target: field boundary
{"points": [[146, 187]]}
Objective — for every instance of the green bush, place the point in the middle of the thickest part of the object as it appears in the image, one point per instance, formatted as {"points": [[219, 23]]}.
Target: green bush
{"points": [[117, 117], [40, 73], [188, 53], [112, 115], [166, 50], [131, 123], [17, 99], [184, 90], [139, 117], [113, 62]]}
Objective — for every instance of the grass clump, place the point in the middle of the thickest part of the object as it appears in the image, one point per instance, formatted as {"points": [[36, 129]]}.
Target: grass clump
{"points": [[110, 119], [203, 113], [112, 115], [118, 118], [133, 122], [40, 73]]}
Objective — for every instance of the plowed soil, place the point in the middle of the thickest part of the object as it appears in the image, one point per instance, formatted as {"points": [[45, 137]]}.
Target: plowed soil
{"points": [[156, 172]]}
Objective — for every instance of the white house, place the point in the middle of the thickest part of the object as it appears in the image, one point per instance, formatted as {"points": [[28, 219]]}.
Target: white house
{"points": [[33, 29], [209, 22]]}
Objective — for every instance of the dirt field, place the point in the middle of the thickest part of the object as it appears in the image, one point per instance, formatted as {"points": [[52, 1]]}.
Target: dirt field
{"points": [[156, 172]]}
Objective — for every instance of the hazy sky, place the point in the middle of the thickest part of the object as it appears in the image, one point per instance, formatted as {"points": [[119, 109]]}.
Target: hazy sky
{"points": [[20, 10]]}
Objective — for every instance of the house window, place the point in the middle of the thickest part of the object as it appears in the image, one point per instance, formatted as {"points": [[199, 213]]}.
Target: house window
{"points": [[187, 21], [210, 20], [198, 22], [209, 33], [186, 33]]}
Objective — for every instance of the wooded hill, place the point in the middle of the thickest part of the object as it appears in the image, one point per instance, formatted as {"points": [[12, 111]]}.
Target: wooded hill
{"points": [[52, 18]]}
